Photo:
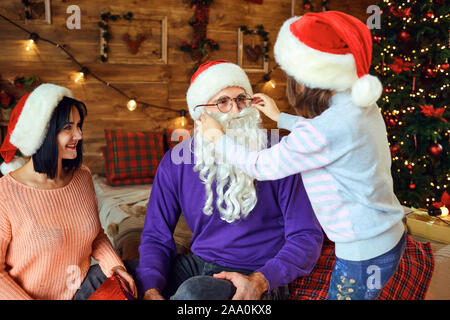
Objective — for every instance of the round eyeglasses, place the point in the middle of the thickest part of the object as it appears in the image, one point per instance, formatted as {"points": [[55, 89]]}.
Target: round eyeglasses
{"points": [[225, 103]]}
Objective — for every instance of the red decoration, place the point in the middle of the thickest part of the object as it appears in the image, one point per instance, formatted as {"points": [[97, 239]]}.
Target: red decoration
{"points": [[404, 36], [444, 66], [445, 201], [429, 15], [391, 121], [399, 13], [410, 167], [398, 66], [430, 72], [5, 98], [431, 112], [134, 45], [377, 39], [394, 149], [412, 186], [435, 149]]}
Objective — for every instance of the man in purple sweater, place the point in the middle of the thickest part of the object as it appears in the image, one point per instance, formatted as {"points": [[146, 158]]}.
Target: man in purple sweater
{"points": [[250, 238]]}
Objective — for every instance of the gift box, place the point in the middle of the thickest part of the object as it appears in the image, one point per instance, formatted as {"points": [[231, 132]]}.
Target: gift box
{"points": [[421, 224]]}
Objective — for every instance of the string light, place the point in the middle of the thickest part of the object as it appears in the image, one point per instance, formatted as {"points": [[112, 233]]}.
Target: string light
{"points": [[34, 37]]}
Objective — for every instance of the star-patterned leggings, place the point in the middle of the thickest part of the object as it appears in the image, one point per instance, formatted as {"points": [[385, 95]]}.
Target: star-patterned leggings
{"points": [[364, 280]]}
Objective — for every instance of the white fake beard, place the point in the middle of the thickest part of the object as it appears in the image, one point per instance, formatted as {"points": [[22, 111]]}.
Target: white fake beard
{"points": [[239, 199]]}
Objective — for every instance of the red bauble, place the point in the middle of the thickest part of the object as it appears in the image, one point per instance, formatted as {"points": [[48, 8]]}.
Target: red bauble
{"points": [[410, 167], [394, 149], [435, 149], [391, 121], [307, 6], [430, 72], [444, 66], [403, 36], [429, 15], [377, 39], [412, 186]]}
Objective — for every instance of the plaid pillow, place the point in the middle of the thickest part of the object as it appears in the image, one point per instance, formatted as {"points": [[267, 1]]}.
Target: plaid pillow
{"points": [[132, 157], [409, 282]]}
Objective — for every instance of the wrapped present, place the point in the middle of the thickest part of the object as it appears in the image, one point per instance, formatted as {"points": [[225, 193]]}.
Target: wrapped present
{"points": [[421, 224], [113, 288]]}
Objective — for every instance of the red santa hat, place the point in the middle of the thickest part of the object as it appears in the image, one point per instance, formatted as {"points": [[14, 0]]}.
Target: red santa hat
{"points": [[329, 50], [29, 123], [210, 78]]}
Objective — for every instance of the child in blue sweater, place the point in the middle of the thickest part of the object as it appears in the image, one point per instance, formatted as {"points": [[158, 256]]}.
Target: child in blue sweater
{"points": [[339, 145]]}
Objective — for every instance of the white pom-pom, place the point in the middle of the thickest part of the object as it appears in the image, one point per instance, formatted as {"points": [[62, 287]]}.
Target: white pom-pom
{"points": [[14, 164], [366, 91]]}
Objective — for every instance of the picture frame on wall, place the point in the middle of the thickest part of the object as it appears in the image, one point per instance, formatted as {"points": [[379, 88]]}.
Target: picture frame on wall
{"points": [[37, 11], [140, 40], [250, 52]]}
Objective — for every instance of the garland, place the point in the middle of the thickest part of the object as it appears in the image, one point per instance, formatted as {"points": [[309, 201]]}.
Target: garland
{"points": [[200, 42], [106, 32], [7, 99], [264, 36]]}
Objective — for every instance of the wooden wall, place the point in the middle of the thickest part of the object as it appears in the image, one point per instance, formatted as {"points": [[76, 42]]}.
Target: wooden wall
{"points": [[159, 84]]}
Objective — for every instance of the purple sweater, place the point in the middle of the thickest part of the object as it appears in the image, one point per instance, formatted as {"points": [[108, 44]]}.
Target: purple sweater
{"points": [[281, 237]]}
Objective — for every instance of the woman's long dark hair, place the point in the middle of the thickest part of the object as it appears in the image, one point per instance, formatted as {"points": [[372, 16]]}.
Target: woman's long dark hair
{"points": [[307, 102], [45, 160]]}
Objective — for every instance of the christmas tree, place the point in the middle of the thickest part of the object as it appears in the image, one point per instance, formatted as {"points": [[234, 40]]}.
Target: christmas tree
{"points": [[410, 56]]}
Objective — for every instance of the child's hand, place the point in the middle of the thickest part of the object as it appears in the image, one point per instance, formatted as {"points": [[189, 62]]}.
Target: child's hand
{"points": [[210, 127], [266, 105]]}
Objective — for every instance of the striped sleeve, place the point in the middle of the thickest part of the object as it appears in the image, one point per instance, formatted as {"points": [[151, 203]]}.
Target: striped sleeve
{"points": [[9, 289], [305, 148]]}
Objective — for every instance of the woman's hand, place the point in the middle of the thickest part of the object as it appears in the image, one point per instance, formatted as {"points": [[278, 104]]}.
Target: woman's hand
{"points": [[122, 272], [266, 105], [210, 127]]}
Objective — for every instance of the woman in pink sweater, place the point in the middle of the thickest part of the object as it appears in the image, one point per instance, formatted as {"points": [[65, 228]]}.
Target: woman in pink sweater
{"points": [[49, 224]]}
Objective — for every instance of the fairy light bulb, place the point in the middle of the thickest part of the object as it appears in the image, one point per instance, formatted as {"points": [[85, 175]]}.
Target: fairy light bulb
{"points": [[79, 77], [272, 84], [131, 105], [444, 211], [183, 118], [30, 45]]}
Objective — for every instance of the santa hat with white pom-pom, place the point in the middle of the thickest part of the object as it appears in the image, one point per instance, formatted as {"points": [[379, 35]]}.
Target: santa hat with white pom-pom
{"points": [[329, 50], [28, 124]]}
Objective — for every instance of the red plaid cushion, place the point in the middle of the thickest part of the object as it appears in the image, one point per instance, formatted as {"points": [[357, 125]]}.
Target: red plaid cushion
{"points": [[132, 157], [410, 281]]}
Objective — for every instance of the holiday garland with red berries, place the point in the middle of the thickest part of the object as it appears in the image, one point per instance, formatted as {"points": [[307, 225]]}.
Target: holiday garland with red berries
{"points": [[410, 56]]}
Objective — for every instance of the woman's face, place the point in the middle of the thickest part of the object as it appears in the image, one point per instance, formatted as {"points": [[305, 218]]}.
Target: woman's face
{"points": [[69, 136], [232, 92]]}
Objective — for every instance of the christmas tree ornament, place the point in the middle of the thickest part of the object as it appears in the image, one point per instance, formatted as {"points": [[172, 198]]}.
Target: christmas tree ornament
{"points": [[394, 149], [404, 36], [444, 66], [435, 149], [430, 15], [412, 186]]}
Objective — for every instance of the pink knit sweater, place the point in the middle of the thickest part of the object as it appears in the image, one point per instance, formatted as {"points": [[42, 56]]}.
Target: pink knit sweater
{"points": [[47, 238]]}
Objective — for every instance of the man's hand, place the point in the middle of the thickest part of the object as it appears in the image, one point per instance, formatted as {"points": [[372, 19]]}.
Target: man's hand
{"points": [[247, 287], [152, 294]]}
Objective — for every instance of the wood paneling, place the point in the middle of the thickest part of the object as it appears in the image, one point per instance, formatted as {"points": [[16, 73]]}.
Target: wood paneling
{"points": [[159, 84]]}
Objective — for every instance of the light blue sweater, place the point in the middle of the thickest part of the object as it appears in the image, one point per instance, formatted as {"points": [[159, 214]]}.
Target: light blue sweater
{"points": [[345, 162]]}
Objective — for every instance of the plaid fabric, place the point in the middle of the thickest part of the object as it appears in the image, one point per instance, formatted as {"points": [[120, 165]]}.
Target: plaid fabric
{"points": [[410, 281], [132, 157]]}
